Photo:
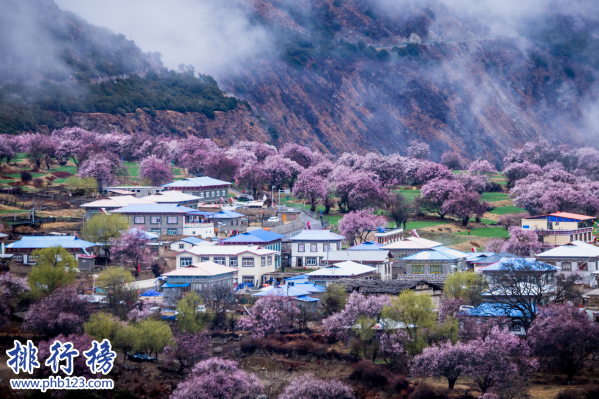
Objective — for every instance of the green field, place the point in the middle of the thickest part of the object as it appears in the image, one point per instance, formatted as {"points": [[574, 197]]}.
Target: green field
{"points": [[503, 210], [422, 224], [72, 169], [498, 232], [16, 211], [492, 197], [409, 194]]}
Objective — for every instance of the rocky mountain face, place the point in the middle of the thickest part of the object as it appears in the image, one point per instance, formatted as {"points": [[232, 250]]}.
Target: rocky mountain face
{"points": [[351, 75]]}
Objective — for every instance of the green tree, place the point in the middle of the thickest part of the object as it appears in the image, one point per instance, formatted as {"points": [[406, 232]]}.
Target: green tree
{"points": [[152, 335], [125, 339], [467, 286], [55, 268], [334, 298], [120, 296], [189, 319], [81, 186], [102, 326], [416, 313], [102, 228]]}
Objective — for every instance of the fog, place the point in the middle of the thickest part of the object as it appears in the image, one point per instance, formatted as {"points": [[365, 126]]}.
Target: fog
{"points": [[212, 35]]}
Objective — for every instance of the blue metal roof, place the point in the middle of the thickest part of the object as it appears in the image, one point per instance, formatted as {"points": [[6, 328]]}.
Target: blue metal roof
{"points": [[192, 240], [190, 182], [51, 241], [282, 290], [437, 253], [317, 235], [254, 236], [154, 208], [226, 215], [494, 310], [520, 263], [151, 293], [307, 299], [299, 277], [368, 245], [170, 285], [201, 213]]}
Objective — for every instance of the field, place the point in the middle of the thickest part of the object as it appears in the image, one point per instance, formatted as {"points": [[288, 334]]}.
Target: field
{"points": [[503, 210], [495, 232]]}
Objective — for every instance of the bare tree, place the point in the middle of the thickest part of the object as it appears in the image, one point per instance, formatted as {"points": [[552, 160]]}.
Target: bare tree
{"points": [[219, 297], [400, 209], [522, 285]]}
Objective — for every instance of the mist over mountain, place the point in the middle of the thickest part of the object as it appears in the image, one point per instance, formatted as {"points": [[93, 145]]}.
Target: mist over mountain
{"points": [[352, 75]]}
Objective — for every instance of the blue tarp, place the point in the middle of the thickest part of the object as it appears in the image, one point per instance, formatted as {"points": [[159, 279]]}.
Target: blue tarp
{"points": [[151, 293], [167, 285], [243, 285]]}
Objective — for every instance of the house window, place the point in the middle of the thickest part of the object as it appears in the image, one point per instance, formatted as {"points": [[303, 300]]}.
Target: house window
{"points": [[247, 279], [205, 259], [139, 220], [263, 261], [232, 223], [310, 261], [247, 262], [181, 246], [325, 246], [237, 222], [566, 265], [32, 259], [301, 247], [220, 260], [321, 283], [270, 260], [18, 258], [185, 262], [155, 220], [233, 262], [436, 269], [417, 269], [156, 231], [171, 232], [202, 194], [213, 194], [313, 247], [172, 220]]}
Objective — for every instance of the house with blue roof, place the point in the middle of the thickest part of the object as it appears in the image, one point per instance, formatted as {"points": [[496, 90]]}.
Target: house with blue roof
{"points": [[23, 248], [169, 219], [366, 246], [209, 190], [436, 260], [487, 311], [260, 237], [185, 243], [309, 248], [301, 293], [229, 221]]}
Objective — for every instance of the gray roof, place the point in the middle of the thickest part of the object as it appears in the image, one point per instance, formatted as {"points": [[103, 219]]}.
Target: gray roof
{"points": [[317, 235], [391, 287], [192, 182]]}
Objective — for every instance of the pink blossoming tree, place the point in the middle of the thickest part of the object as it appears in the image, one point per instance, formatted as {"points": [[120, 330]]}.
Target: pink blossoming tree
{"points": [[436, 192], [356, 225], [298, 153], [482, 167], [445, 360], [310, 186], [217, 378], [131, 247], [309, 387], [156, 170], [462, 205], [189, 349], [522, 242], [452, 160], [270, 315], [419, 150], [356, 305], [103, 167]]}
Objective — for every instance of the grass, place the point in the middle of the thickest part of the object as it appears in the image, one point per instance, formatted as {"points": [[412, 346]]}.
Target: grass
{"points": [[496, 232], [60, 181], [484, 221], [15, 211], [492, 197], [423, 224], [409, 194], [20, 157], [6, 181], [65, 168], [503, 210]]}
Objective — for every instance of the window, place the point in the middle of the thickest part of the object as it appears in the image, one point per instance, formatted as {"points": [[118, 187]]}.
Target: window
{"points": [[270, 260], [139, 220], [233, 262], [171, 232], [247, 279], [156, 231], [237, 224], [213, 194], [201, 194], [18, 258], [181, 246], [205, 259], [155, 220], [314, 247], [325, 246], [321, 283], [417, 269], [247, 262], [185, 262], [32, 259], [263, 261], [566, 265], [310, 261], [232, 223], [172, 220], [301, 247], [220, 260], [436, 269]]}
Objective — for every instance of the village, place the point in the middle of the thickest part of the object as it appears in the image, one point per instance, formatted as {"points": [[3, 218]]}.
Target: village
{"points": [[383, 276]]}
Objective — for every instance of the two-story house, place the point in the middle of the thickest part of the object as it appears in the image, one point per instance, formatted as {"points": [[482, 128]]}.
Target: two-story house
{"points": [[209, 190], [262, 238], [251, 261], [228, 221], [167, 219], [309, 248], [110, 204], [560, 228], [574, 257], [174, 197], [138, 191], [437, 260], [348, 269], [22, 249]]}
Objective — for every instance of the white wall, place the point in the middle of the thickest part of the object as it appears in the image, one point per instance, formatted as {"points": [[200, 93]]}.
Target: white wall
{"points": [[320, 253], [204, 232]]}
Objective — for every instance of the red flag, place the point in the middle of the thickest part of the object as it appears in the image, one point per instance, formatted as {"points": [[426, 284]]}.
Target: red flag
{"points": [[138, 268]]}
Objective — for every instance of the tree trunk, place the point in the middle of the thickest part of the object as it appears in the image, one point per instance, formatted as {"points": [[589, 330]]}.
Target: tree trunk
{"points": [[451, 382], [465, 221]]}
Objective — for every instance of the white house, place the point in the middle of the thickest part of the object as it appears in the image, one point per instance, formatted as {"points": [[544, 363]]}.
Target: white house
{"points": [[251, 261], [186, 243], [348, 269], [309, 248], [174, 197]]}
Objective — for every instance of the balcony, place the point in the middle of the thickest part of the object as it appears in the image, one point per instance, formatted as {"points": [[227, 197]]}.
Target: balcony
{"points": [[544, 232], [199, 225]]}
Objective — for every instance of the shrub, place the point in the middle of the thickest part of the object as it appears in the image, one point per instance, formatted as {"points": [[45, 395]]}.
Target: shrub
{"points": [[368, 373], [62, 175], [26, 176], [424, 391], [248, 346], [399, 384], [38, 182]]}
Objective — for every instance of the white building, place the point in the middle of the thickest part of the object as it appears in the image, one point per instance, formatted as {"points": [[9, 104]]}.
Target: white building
{"points": [[187, 243], [309, 248], [348, 269], [174, 197], [252, 262]]}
